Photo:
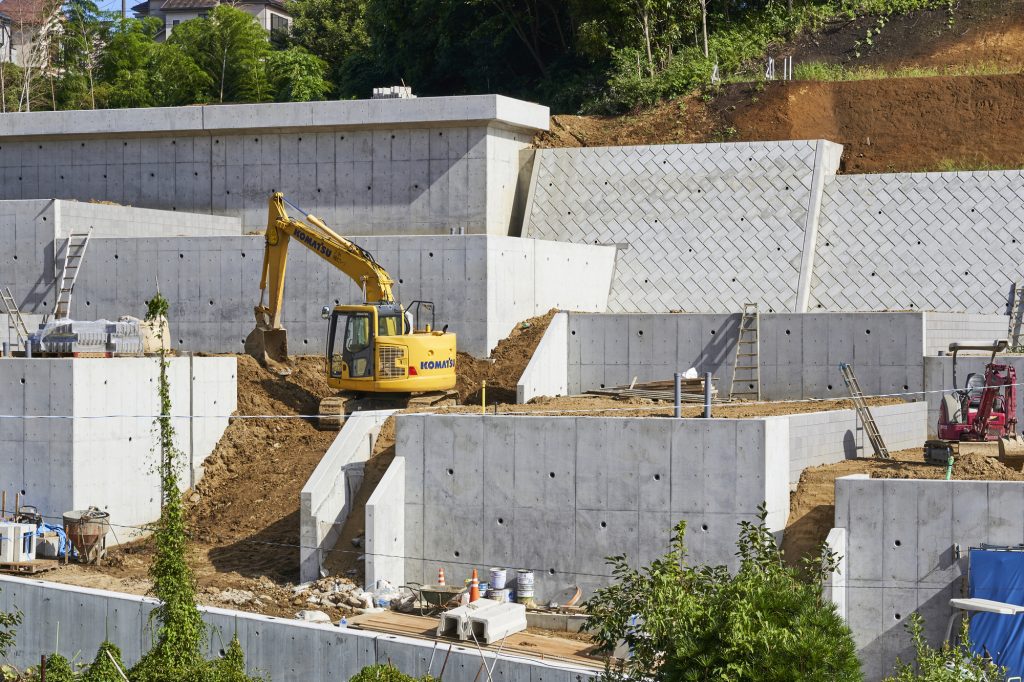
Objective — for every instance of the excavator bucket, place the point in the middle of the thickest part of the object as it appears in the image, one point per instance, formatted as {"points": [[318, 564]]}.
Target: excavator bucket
{"points": [[1011, 448], [270, 348]]}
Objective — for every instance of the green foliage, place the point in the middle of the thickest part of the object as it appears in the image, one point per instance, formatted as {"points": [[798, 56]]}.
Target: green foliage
{"points": [[231, 668], [949, 663], [767, 621], [58, 669], [137, 71], [335, 31], [180, 631], [8, 623], [103, 669], [384, 673], [296, 75], [818, 71], [231, 48]]}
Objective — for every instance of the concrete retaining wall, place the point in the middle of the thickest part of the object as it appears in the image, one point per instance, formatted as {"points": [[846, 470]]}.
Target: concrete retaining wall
{"points": [[799, 353], [325, 500], [276, 648], [482, 285], [423, 166], [942, 329], [706, 228], [79, 460], [385, 528], [828, 437], [907, 548], [125, 221], [548, 370], [559, 494]]}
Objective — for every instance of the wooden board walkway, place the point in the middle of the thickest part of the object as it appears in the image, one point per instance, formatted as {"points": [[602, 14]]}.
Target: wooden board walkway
{"points": [[535, 646], [29, 567]]}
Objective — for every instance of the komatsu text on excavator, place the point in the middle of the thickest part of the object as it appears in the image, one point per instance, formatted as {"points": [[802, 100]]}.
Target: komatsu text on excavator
{"points": [[377, 348]]}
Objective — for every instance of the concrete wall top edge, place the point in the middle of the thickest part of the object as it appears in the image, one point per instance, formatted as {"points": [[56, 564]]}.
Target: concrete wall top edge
{"points": [[227, 118], [764, 144]]}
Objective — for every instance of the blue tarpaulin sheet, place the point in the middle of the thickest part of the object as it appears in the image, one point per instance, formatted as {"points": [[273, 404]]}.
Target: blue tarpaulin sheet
{"points": [[999, 576]]}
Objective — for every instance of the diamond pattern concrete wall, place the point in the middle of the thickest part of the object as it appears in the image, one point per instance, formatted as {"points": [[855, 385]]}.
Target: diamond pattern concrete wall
{"points": [[926, 241], [700, 227]]}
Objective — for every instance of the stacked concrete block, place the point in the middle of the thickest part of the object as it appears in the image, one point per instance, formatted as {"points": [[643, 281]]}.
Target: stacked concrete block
{"points": [[907, 548], [942, 329], [557, 495], [947, 242], [93, 442], [827, 437], [701, 227], [278, 648], [421, 166]]}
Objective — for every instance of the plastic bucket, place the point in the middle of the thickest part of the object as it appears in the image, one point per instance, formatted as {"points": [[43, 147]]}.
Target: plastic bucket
{"points": [[498, 577]]}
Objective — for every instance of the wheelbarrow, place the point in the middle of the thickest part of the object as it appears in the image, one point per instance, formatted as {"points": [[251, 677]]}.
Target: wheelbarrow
{"points": [[434, 598]]}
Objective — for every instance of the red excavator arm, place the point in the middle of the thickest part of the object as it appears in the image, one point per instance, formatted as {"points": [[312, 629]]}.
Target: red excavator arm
{"points": [[998, 379]]}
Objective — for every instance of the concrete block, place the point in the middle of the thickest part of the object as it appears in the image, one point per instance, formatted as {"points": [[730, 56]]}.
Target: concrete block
{"points": [[490, 625]]}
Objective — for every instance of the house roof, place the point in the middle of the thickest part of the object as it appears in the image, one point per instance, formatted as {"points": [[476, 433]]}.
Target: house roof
{"points": [[26, 11], [186, 5]]}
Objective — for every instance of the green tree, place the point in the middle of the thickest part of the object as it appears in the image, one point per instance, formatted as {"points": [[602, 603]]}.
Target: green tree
{"points": [[948, 663], [83, 34], [58, 669], [106, 666], [335, 31], [231, 47], [137, 71], [296, 75], [767, 621]]}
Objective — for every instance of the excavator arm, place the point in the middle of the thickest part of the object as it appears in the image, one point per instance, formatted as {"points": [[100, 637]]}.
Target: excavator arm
{"points": [[268, 341]]}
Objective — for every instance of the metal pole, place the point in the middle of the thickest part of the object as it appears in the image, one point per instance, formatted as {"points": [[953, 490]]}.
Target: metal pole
{"points": [[28, 348], [7, 349], [707, 395], [678, 395]]}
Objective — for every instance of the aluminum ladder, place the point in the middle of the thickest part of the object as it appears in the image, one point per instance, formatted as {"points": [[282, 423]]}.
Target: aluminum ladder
{"points": [[14, 319], [746, 366], [863, 411], [1016, 320], [74, 253]]}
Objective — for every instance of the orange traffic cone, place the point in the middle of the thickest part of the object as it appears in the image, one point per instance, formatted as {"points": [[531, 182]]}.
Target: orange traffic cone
{"points": [[474, 588], [440, 576]]}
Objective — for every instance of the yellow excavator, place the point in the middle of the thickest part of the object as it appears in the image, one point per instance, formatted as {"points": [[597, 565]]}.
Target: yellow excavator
{"points": [[377, 350]]}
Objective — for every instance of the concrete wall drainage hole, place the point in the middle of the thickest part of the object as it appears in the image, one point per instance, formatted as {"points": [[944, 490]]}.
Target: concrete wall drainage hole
{"points": [[451, 472], [704, 527]]}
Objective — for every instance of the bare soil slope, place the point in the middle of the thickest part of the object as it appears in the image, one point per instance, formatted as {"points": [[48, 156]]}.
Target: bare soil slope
{"points": [[812, 506], [885, 125]]}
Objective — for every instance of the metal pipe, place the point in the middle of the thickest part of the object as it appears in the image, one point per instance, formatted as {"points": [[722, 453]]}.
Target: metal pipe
{"points": [[677, 393], [28, 348], [7, 349], [707, 395]]}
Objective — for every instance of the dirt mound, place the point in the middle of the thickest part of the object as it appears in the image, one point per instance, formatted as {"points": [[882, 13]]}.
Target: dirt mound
{"points": [[902, 124], [812, 506], [505, 366]]}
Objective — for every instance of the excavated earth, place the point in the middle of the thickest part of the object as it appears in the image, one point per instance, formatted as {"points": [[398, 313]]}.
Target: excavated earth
{"points": [[812, 506], [941, 122]]}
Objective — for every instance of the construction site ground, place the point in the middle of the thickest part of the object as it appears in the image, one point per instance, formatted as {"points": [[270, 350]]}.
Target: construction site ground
{"points": [[812, 506], [973, 82], [244, 514]]}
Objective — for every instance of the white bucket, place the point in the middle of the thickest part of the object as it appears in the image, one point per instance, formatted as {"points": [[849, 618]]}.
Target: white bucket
{"points": [[498, 576], [524, 581]]}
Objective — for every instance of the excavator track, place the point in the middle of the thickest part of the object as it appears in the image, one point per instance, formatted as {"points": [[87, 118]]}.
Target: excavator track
{"points": [[333, 409]]}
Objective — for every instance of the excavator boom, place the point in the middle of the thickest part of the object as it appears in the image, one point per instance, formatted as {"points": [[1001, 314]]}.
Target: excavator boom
{"points": [[268, 342]]}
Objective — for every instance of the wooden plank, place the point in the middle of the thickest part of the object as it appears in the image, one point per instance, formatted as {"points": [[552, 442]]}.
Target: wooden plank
{"points": [[521, 643], [28, 567]]}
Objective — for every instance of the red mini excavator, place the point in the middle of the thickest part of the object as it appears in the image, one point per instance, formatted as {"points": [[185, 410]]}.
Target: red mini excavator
{"points": [[983, 413]]}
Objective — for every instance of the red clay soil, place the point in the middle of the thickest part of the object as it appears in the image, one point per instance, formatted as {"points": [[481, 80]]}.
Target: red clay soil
{"points": [[885, 125], [906, 124]]}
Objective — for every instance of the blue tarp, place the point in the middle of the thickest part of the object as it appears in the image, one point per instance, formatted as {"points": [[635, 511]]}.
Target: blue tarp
{"points": [[62, 538], [999, 576]]}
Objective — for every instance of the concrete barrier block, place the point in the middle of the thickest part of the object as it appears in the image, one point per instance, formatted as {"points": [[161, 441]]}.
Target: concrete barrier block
{"points": [[455, 622], [491, 624]]}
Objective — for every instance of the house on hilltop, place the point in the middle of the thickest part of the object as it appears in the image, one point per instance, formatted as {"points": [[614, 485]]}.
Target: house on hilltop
{"points": [[22, 23], [270, 14]]}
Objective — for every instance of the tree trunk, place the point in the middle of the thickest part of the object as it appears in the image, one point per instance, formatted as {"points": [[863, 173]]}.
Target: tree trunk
{"points": [[704, 24], [647, 39]]}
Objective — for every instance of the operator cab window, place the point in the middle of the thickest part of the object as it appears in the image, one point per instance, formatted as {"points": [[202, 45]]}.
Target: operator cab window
{"points": [[389, 325], [357, 333]]}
